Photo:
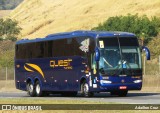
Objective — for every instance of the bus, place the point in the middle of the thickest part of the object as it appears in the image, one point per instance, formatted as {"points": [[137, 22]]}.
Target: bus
{"points": [[85, 62]]}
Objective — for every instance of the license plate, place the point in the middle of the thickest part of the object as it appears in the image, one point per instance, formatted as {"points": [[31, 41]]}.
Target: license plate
{"points": [[123, 87]]}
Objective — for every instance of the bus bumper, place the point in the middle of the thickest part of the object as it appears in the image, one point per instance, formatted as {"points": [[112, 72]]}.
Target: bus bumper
{"points": [[113, 87]]}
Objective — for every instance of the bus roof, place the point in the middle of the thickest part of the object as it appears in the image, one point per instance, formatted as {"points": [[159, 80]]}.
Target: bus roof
{"points": [[77, 34]]}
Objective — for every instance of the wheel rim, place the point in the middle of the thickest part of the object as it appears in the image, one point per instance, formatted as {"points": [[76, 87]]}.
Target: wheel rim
{"points": [[30, 88], [86, 88], [37, 88]]}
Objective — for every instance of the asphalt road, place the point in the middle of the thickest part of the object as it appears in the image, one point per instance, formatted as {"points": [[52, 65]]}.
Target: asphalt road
{"points": [[132, 97]]}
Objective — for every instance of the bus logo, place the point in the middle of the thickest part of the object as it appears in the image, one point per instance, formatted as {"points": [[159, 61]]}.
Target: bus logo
{"points": [[32, 68], [61, 63]]}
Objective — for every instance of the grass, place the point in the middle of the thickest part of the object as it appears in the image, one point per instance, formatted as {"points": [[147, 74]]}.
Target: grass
{"points": [[76, 14], [42, 101]]}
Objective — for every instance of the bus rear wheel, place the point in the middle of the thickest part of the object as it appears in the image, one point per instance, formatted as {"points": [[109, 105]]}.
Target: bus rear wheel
{"points": [[31, 89], [38, 89], [85, 90]]}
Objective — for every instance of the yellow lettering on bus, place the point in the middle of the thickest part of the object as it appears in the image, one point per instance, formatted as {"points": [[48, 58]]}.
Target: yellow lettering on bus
{"points": [[65, 63], [61, 63], [52, 63]]}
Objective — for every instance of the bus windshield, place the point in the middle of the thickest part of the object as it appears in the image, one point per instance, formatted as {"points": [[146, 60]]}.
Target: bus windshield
{"points": [[119, 55]]}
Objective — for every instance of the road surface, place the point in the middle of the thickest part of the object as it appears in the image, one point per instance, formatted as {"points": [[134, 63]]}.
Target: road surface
{"points": [[132, 97]]}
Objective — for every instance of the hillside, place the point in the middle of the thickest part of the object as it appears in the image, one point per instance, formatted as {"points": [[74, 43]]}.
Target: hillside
{"points": [[4, 13], [39, 18]]}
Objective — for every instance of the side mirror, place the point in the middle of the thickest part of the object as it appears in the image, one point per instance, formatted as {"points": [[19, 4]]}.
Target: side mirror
{"points": [[97, 55], [147, 52]]}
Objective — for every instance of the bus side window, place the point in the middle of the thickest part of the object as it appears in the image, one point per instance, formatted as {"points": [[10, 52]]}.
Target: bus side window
{"points": [[78, 43], [69, 47], [92, 45], [69, 41], [30, 50], [58, 48]]}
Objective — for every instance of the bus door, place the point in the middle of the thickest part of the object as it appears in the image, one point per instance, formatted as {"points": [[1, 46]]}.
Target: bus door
{"points": [[94, 78]]}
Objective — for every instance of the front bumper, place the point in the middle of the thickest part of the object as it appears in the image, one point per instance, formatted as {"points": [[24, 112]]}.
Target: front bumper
{"points": [[125, 86]]}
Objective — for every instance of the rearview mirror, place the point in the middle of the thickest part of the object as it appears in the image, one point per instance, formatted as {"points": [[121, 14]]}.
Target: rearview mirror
{"points": [[147, 52]]}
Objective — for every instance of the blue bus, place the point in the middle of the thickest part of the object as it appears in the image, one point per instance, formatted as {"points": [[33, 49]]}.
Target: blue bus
{"points": [[87, 62]]}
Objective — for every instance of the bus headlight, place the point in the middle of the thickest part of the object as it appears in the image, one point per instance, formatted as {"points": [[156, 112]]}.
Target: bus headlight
{"points": [[137, 81], [105, 82]]}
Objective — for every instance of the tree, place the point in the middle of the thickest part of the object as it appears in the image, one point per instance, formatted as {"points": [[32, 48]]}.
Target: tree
{"points": [[154, 46], [9, 29], [143, 27]]}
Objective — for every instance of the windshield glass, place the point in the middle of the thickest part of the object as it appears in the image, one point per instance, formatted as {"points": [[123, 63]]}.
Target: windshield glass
{"points": [[131, 57], [109, 58], [119, 55]]}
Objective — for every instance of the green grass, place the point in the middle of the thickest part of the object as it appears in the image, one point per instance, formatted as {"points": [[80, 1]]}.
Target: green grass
{"points": [[44, 101]]}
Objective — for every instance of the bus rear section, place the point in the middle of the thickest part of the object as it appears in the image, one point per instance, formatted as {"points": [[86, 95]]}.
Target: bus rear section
{"points": [[53, 65]]}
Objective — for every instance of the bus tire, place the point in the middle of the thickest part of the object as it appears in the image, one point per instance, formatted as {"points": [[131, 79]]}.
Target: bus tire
{"points": [[122, 93], [31, 89], [85, 90], [38, 89]]}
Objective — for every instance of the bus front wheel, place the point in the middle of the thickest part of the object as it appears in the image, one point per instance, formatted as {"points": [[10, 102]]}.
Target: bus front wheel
{"points": [[31, 89], [85, 90]]}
